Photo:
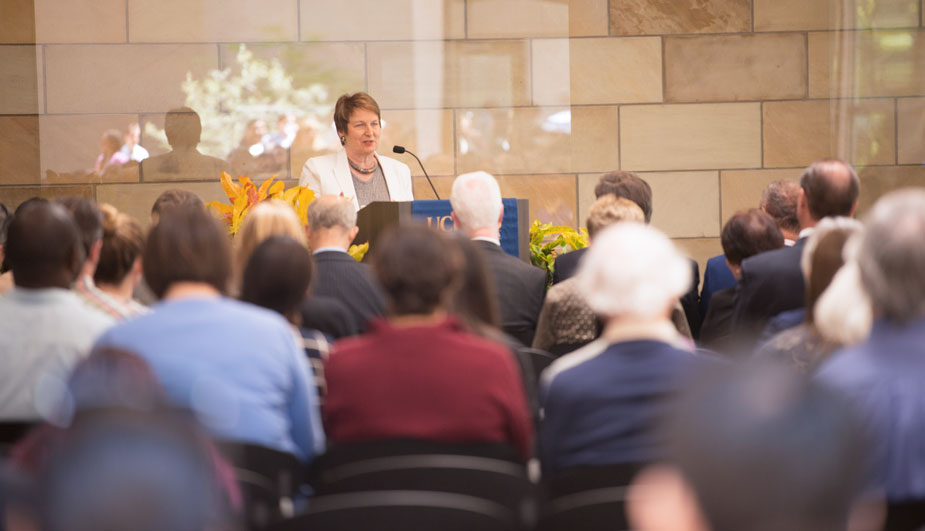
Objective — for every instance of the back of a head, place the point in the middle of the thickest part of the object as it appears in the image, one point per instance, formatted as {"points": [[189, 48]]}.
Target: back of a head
{"points": [[411, 289], [187, 246], [749, 232], [111, 378], [43, 246], [476, 201], [831, 188], [277, 275], [779, 200], [269, 218], [173, 198], [629, 185], [182, 127], [123, 243], [88, 218], [633, 270], [130, 471], [764, 449], [331, 211], [609, 209], [892, 256], [823, 256]]}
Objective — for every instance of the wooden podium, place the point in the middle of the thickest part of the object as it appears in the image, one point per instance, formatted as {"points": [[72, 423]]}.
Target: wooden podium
{"points": [[376, 217]]}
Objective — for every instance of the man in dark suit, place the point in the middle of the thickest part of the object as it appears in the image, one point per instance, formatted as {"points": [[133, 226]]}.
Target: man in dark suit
{"points": [[628, 185], [519, 287], [331, 228], [772, 282]]}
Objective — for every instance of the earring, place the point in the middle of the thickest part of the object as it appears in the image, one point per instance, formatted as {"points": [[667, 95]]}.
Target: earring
{"points": [[343, 140]]}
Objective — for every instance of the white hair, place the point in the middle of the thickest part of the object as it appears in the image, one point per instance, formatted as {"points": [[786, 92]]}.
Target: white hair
{"points": [[843, 314], [476, 200], [823, 228], [633, 269]]}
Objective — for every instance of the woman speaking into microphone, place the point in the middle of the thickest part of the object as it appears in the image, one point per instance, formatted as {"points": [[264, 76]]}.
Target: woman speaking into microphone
{"points": [[358, 171]]}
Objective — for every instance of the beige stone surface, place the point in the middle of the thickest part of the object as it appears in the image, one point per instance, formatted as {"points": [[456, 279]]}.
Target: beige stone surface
{"points": [[653, 17], [449, 74], [148, 77], [735, 67], [798, 132], [741, 189], [867, 64], [76, 21], [490, 19], [878, 180], [552, 197], [339, 67], [12, 196], [685, 204], [690, 137], [426, 132], [550, 72], [70, 146], [513, 140], [19, 151], [595, 141], [373, 20], [17, 21], [588, 18], [911, 130], [136, 199], [616, 70], [700, 250], [19, 89], [213, 20], [788, 15], [586, 184]]}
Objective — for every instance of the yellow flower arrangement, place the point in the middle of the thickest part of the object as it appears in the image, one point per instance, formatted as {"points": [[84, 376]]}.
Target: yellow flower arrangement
{"points": [[244, 195]]}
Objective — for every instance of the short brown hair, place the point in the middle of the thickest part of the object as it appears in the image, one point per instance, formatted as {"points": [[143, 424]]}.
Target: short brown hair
{"points": [[749, 232], [173, 198], [831, 188], [123, 242], [609, 209], [347, 104], [779, 200], [629, 185], [418, 268], [188, 245]]}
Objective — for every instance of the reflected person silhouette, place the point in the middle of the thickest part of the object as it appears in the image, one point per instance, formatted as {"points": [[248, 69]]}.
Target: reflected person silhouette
{"points": [[184, 162]]}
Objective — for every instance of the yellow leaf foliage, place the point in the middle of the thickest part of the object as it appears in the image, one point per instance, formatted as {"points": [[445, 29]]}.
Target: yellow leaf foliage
{"points": [[244, 195]]}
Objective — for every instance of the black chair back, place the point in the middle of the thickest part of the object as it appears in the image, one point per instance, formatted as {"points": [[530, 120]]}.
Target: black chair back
{"points": [[400, 510], [588, 498], [269, 479], [11, 432]]}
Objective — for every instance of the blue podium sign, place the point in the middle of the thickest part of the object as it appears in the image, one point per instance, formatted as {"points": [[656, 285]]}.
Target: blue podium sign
{"points": [[436, 213]]}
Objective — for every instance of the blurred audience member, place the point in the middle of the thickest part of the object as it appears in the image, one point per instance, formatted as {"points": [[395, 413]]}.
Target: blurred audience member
{"points": [[238, 367], [110, 152], [772, 282], [843, 313], [89, 220], [276, 277], [520, 287], [754, 448], [778, 200], [286, 130], [269, 218], [174, 198], [118, 270], [419, 374], [747, 233], [131, 470], [332, 226], [566, 321], [6, 276], [601, 401], [130, 146], [882, 375], [796, 340], [255, 154], [184, 129], [45, 328]]}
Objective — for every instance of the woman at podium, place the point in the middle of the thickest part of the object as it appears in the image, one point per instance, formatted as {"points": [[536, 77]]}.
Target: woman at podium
{"points": [[357, 171]]}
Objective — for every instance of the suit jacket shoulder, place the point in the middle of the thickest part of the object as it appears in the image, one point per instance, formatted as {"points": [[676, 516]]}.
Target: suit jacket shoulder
{"points": [[566, 265], [771, 282], [519, 289]]}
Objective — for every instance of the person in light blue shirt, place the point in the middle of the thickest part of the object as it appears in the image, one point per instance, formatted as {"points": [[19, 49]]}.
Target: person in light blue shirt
{"points": [[236, 366]]}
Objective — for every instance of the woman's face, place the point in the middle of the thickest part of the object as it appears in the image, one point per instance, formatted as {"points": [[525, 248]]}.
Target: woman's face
{"points": [[362, 134]]}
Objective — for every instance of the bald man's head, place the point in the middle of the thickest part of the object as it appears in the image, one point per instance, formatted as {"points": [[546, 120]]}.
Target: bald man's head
{"points": [[43, 246], [831, 188]]}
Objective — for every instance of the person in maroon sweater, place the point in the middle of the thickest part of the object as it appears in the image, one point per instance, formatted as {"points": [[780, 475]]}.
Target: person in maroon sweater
{"points": [[420, 374]]}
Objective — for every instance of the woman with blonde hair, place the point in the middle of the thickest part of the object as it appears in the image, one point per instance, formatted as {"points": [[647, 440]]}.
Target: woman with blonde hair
{"points": [[269, 218]]}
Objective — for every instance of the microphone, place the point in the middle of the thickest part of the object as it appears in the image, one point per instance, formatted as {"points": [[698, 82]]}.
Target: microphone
{"points": [[400, 150]]}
